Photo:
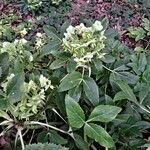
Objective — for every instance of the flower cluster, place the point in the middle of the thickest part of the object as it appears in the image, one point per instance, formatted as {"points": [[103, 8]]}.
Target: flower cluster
{"points": [[33, 98], [40, 40], [17, 49], [84, 42]]}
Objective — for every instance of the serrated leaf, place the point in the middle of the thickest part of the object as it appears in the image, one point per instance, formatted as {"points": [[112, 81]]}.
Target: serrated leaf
{"points": [[127, 91], [99, 134], [91, 90], [104, 113], [45, 146], [70, 81], [75, 113]]}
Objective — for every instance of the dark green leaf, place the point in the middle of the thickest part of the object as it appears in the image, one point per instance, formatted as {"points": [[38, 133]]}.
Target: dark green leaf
{"points": [[4, 65], [104, 113], [71, 66], [99, 134], [3, 103], [142, 62], [51, 136], [50, 33], [70, 81], [57, 63], [50, 48], [124, 76], [91, 90], [75, 113], [65, 26], [80, 143], [75, 93], [127, 91], [14, 88], [98, 64], [119, 96], [108, 59]]}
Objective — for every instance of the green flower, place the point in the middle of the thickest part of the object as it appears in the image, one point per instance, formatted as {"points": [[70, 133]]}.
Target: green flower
{"points": [[45, 83], [33, 98], [84, 43], [16, 50]]}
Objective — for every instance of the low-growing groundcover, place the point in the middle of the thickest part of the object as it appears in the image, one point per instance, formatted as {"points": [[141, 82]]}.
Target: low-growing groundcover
{"points": [[72, 86]]}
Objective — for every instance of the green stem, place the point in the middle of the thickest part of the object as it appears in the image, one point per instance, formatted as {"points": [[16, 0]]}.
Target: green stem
{"points": [[21, 139], [55, 111], [47, 125], [89, 71], [85, 137], [83, 71]]}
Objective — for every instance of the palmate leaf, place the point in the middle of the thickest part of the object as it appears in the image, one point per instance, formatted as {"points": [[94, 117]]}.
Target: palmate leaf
{"points": [[75, 113], [40, 146], [104, 113], [99, 134]]}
